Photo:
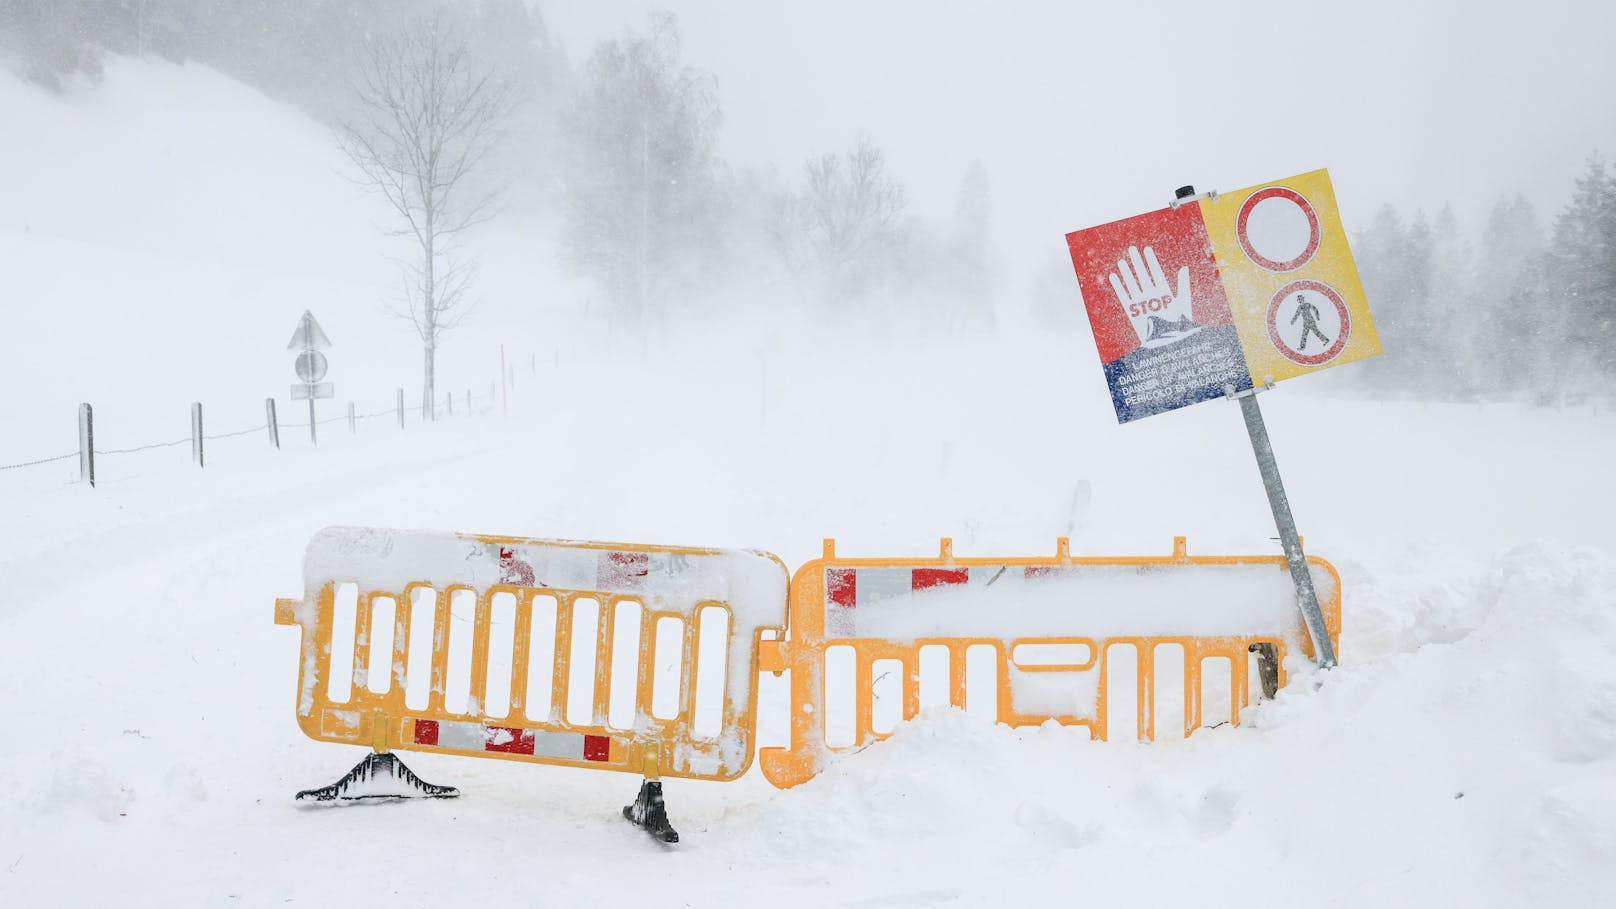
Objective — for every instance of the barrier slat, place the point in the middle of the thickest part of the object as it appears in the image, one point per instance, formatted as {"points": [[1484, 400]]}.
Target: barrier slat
{"points": [[956, 671], [560, 687], [642, 678], [605, 644], [1145, 674], [482, 619], [520, 658], [361, 639], [399, 667], [1192, 687], [911, 686], [438, 693]]}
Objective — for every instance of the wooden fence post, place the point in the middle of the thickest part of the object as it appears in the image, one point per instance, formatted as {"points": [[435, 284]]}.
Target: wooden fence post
{"points": [[86, 445]]}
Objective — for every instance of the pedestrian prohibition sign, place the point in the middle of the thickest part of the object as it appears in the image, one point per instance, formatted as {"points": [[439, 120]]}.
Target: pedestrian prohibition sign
{"points": [[1226, 292]]}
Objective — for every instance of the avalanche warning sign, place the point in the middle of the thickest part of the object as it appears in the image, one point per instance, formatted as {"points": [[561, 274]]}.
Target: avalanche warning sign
{"points": [[1254, 286], [1161, 321]]}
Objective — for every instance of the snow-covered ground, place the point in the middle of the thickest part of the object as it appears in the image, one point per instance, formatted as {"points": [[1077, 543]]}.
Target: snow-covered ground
{"points": [[1463, 754]]}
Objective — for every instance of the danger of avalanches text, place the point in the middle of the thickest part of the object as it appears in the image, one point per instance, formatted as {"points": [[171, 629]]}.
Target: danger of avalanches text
{"points": [[1181, 374]]}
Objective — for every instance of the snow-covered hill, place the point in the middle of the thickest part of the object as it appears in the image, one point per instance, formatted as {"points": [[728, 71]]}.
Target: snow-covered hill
{"points": [[162, 232], [1463, 754]]}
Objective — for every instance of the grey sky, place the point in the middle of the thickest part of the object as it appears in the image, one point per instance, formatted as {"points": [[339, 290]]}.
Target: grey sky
{"points": [[1087, 112]]}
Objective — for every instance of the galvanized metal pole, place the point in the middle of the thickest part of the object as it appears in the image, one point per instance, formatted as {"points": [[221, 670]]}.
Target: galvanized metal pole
{"points": [[196, 433], [401, 408], [86, 445], [274, 424], [313, 437], [353, 422], [1306, 597]]}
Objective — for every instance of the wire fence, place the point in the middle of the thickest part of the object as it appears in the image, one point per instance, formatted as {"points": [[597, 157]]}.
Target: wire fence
{"points": [[71, 454], [88, 452]]}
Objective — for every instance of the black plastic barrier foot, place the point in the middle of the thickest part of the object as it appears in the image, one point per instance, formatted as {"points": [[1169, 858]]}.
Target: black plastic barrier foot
{"points": [[649, 812], [380, 776]]}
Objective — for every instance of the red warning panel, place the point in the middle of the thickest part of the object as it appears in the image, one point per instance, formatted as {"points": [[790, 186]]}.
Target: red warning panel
{"points": [[1161, 320]]}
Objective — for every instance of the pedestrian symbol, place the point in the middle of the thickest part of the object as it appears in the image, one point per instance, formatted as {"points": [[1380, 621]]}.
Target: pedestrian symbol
{"points": [[1309, 314], [1303, 311]]}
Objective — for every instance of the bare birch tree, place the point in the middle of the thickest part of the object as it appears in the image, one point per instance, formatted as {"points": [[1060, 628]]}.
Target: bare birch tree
{"points": [[427, 117]]}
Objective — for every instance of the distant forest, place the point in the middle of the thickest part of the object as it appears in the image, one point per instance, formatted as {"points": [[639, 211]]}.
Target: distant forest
{"points": [[1523, 314], [619, 148]]}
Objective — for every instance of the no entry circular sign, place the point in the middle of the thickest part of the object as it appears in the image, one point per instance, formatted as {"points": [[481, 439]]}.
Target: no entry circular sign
{"points": [[1308, 322], [1278, 229]]}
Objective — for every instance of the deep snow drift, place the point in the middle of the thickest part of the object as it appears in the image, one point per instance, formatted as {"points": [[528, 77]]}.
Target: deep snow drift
{"points": [[1463, 754]]}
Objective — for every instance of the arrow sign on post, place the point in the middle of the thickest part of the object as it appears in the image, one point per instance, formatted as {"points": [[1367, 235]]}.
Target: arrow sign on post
{"points": [[311, 365]]}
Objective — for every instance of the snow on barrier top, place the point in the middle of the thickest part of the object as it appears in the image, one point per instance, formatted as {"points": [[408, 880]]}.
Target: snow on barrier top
{"points": [[1052, 625], [535, 650]]}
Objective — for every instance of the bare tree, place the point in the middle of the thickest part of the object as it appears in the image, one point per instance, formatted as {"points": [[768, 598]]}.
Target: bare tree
{"points": [[427, 117], [845, 221], [640, 170]]}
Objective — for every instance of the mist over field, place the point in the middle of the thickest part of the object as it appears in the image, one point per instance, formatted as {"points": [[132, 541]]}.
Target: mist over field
{"points": [[911, 165]]}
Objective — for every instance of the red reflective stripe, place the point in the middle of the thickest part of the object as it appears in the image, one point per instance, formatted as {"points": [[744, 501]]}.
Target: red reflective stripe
{"points": [[521, 740], [426, 732], [923, 578], [841, 586], [622, 569], [597, 748]]}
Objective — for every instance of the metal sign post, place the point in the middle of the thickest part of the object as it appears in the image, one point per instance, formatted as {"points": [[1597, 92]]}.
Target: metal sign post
{"points": [[1307, 599], [311, 366]]}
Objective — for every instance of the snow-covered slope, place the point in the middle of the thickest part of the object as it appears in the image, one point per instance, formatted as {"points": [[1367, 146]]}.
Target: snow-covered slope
{"points": [[162, 232], [1462, 755]]}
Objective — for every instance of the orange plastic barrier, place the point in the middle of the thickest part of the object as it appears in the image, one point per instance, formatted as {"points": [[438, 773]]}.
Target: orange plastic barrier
{"points": [[1055, 626], [465, 644]]}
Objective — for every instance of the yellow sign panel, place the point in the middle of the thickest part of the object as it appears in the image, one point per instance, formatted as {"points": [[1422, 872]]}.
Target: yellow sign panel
{"points": [[1292, 286]]}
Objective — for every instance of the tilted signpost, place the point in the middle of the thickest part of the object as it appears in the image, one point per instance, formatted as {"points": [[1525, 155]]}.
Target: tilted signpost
{"points": [[310, 366], [1223, 296]]}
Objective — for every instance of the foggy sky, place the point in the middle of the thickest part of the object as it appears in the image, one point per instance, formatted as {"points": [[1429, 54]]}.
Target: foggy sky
{"points": [[1088, 112]]}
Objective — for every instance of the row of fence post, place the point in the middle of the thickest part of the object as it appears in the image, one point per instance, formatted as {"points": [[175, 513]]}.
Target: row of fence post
{"points": [[272, 423]]}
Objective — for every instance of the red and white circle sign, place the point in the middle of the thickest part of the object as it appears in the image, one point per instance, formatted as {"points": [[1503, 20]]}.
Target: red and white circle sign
{"points": [[1278, 229], [1308, 322]]}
